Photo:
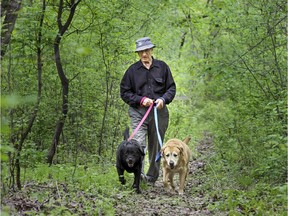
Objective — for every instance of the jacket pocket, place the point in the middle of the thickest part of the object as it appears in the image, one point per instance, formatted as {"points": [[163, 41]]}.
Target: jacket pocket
{"points": [[159, 81]]}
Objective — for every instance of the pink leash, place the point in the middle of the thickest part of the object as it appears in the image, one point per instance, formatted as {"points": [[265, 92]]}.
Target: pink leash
{"points": [[141, 122]]}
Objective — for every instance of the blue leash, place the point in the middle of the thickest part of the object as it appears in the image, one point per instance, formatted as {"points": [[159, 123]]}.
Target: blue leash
{"points": [[158, 157]]}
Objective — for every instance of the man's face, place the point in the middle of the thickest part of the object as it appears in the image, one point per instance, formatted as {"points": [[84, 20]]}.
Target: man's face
{"points": [[145, 55]]}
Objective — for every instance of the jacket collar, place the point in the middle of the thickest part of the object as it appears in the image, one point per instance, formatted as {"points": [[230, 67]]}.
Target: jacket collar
{"points": [[155, 63]]}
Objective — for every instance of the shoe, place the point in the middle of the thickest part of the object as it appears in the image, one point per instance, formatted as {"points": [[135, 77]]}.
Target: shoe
{"points": [[150, 180], [147, 179]]}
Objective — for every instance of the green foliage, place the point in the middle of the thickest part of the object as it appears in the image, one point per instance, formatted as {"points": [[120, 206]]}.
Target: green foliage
{"points": [[243, 195], [229, 62], [256, 201], [9, 102]]}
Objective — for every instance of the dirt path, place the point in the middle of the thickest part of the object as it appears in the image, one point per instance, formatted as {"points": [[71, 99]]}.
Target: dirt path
{"points": [[154, 200]]}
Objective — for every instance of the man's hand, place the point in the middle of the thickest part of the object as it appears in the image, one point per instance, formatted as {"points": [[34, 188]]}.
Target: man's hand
{"points": [[159, 103], [147, 102]]}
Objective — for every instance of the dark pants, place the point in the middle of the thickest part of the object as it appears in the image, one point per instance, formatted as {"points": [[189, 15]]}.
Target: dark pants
{"points": [[148, 129]]}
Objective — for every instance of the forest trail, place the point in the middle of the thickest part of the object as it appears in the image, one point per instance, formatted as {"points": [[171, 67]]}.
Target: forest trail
{"points": [[154, 200]]}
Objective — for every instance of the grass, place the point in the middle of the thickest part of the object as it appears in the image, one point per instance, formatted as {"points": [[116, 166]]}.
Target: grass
{"points": [[65, 190]]}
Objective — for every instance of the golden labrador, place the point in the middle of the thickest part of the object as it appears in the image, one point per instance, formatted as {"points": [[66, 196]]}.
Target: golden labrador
{"points": [[175, 158]]}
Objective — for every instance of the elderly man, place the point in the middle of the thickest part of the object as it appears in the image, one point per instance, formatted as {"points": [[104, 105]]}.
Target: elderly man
{"points": [[145, 82]]}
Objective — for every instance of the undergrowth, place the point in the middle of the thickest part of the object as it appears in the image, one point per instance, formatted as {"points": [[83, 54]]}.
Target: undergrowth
{"points": [[232, 195], [65, 190]]}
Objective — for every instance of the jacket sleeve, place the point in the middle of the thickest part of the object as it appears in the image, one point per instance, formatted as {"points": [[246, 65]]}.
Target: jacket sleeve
{"points": [[126, 90], [170, 92]]}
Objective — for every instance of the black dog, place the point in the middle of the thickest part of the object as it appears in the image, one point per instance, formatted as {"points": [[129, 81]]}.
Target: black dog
{"points": [[129, 157]]}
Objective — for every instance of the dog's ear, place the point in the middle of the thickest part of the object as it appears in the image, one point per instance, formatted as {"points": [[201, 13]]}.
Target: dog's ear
{"points": [[162, 151], [181, 149], [126, 134]]}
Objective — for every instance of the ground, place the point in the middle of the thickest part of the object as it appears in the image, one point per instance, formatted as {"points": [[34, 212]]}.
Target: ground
{"points": [[56, 198]]}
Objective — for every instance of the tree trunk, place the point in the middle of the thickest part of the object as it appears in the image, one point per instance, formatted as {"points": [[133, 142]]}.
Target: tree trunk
{"points": [[10, 10], [64, 80], [36, 107]]}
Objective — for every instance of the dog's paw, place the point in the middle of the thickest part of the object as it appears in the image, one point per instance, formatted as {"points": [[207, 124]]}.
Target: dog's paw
{"points": [[137, 188], [181, 192], [122, 180], [138, 191], [168, 189], [166, 185]]}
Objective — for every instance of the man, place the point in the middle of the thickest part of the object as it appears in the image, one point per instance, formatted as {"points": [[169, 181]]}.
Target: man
{"points": [[146, 82]]}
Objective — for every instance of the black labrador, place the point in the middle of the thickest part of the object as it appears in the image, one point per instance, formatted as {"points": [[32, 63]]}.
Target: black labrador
{"points": [[130, 155]]}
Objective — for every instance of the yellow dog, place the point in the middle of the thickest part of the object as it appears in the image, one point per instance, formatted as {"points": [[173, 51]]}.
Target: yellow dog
{"points": [[175, 158]]}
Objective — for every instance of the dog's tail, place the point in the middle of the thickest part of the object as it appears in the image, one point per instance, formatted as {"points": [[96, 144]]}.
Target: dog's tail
{"points": [[187, 140], [126, 133], [190, 154]]}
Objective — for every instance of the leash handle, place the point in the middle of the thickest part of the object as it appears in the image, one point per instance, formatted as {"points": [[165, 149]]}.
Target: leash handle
{"points": [[141, 122]]}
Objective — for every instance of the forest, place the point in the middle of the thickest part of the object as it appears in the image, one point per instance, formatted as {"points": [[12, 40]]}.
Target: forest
{"points": [[62, 116]]}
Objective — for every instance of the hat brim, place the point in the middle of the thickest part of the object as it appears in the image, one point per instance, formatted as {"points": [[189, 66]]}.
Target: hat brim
{"points": [[145, 47]]}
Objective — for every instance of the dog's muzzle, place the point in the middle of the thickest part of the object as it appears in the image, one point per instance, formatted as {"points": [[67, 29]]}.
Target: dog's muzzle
{"points": [[130, 163], [171, 164]]}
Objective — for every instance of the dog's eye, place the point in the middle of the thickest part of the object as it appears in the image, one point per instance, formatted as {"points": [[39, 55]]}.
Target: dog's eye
{"points": [[175, 155], [167, 155]]}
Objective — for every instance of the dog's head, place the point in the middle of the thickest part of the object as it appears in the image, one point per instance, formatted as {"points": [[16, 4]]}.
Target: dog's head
{"points": [[171, 155], [132, 152]]}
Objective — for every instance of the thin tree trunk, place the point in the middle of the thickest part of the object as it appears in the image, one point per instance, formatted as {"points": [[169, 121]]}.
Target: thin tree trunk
{"points": [[36, 107], [10, 10], [64, 80]]}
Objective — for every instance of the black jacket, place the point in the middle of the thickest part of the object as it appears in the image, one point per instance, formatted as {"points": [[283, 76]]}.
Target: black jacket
{"points": [[139, 82]]}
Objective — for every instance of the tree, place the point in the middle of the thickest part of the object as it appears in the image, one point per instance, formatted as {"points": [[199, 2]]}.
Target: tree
{"points": [[15, 157], [64, 80], [10, 10]]}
